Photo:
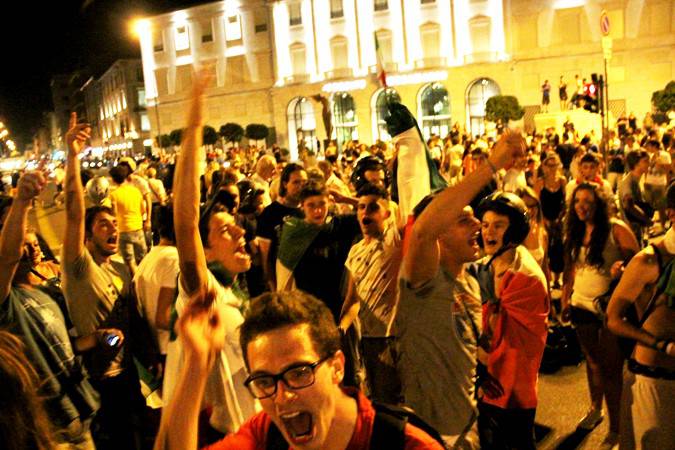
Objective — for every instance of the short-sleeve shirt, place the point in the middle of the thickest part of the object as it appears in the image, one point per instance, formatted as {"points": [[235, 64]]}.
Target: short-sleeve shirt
{"points": [[438, 325], [373, 266], [158, 269], [269, 224], [37, 320], [128, 207], [91, 291], [225, 393]]}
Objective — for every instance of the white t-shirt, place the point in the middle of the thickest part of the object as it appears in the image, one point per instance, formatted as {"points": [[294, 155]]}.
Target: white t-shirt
{"points": [[231, 402], [655, 176], [374, 268], [159, 269]]}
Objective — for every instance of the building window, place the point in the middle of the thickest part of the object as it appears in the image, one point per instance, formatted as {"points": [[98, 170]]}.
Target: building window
{"points": [[158, 41], [233, 28], [142, 103], [427, 2], [430, 34], [381, 5], [339, 52], [145, 122], [435, 110], [477, 95], [294, 14], [298, 57], [384, 45], [207, 32], [182, 38], [480, 28], [345, 121], [336, 10], [301, 125], [260, 20], [380, 111]]}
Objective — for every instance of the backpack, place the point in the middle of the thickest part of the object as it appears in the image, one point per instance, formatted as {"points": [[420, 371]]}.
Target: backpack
{"points": [[388, 429]]}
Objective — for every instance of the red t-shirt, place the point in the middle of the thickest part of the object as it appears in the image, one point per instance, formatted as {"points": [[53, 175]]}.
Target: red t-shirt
{"points": [[253, 433]]}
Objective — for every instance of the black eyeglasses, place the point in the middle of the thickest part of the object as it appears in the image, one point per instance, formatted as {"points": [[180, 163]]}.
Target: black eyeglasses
{"points": [[298, 376]]}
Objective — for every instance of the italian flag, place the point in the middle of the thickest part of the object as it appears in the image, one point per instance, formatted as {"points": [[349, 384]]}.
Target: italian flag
{"points": [[381, 74]]}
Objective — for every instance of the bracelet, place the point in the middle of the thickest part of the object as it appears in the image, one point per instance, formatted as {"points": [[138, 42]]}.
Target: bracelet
{"points": [[492, 166]]}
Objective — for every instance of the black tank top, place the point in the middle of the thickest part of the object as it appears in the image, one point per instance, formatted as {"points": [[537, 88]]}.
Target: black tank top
{"points": [[552, 203]]}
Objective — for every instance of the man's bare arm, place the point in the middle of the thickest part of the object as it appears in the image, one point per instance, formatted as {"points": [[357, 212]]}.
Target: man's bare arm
{"points": [[14, 229], [186, 195], [422, 260], [641, 271], [73, 241]]}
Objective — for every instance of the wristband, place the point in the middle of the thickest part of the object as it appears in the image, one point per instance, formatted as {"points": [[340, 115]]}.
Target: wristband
{"points": [[492, 166]]}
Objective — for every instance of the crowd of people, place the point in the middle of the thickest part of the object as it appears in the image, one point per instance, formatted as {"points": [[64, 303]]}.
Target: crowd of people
{"points": [[395, 295]]}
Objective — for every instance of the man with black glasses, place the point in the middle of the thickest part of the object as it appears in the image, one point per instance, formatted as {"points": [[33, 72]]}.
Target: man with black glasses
{"points": [[291, 348]]}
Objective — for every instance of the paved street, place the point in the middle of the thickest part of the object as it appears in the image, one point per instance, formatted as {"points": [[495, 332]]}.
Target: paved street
{"points": [[563, 397]]}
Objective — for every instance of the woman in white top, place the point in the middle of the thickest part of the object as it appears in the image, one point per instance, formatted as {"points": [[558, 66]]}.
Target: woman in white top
{"points": [[595, 248], [211, 252]]}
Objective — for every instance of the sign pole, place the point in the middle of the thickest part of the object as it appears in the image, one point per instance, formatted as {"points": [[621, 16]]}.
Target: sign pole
{"points": [[607, 54]]}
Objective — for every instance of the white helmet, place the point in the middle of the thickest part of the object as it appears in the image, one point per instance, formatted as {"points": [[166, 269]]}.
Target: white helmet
{"points": [[98, 189]]}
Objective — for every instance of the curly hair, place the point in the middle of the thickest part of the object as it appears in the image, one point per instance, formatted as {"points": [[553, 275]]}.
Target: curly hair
{"points": [[575, 229]]}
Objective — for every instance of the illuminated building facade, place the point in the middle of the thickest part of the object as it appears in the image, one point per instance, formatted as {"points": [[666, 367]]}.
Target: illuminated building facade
{"points": [[444, 59], [116, 108]]}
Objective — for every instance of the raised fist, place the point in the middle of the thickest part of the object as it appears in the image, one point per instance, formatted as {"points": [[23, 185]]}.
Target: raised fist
{"points": [[30, 185]]}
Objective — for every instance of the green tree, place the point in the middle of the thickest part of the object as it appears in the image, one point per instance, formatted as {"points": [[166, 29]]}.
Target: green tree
{"points": [[163, 140], [503, 108], [256, 132], [664, 100], [232, 132], [175, 137], [209, 136]]}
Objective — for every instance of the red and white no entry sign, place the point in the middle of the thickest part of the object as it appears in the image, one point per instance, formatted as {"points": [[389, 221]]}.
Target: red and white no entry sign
{"points": [[604, 23]]}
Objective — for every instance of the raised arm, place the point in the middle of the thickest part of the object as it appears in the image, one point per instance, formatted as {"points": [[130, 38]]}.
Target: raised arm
{"points": [[73, 241], [186, 195], [14, 229], [421, 262]]}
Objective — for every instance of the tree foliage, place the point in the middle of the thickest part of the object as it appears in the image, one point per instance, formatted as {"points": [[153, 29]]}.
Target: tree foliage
{"points": [[257, 131], [664, 100], [232, 132], [163, 140], [209, 135], [175, 136], [504, 108]]}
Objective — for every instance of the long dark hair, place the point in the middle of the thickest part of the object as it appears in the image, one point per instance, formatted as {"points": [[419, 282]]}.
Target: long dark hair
{"points": [[575, 229]]}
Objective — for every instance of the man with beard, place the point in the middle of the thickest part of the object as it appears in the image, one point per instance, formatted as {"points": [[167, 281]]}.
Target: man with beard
{"points": [[96, 285], [439, 315], [291, 347], [292, 180], [372, 291]]}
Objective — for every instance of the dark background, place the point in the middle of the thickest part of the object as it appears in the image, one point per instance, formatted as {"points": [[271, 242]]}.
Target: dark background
{"points": [[39, 39]]}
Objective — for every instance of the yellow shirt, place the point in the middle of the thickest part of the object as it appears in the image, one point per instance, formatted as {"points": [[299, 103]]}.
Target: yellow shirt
{"points": [[128, 203]]}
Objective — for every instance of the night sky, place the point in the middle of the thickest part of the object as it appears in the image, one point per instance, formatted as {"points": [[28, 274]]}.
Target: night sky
{"points": [[40, 39]]}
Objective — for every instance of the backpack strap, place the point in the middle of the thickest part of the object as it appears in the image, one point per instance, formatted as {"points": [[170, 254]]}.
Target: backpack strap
{"points": [[388, 429]]}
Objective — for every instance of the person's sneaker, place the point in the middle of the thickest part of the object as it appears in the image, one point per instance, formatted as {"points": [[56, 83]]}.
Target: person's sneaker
{"points": [[591, 420], [611, 441]]}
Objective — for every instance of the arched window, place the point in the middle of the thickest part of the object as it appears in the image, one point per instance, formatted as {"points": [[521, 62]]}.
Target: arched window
{"points": [[379, 109], [434, 108], [301, 125], [477, 95], [345, 121]]}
